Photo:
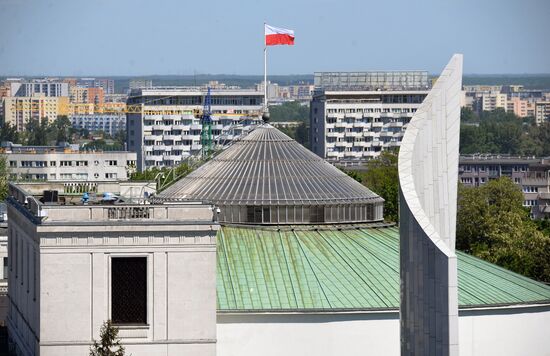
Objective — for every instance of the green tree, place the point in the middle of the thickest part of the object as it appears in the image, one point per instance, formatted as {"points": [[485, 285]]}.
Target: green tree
{"points": [[381, 177], [289, 111], [62, 129], [493, 225], [37, 132], [8, 132], [4, 174], [109, 343]]}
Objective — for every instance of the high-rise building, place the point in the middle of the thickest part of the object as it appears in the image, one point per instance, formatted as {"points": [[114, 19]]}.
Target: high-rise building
{"points": [[494, 100], [45, 87], [542, 112], [19, 110], [108, 85], [355, 116], [163, 129], [140, 83]]}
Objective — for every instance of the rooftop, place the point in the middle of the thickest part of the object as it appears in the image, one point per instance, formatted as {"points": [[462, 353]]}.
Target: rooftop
{"points": [[372, 81], [269, 170], [109, 206], [341, 269]]}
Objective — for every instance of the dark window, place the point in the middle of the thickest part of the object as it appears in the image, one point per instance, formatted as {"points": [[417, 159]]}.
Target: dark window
{"points": [[129, 290], [317, 214], [254, 214]]}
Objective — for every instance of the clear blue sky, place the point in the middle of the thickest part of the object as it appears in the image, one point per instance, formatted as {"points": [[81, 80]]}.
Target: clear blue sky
{"points": [[133, 37]]}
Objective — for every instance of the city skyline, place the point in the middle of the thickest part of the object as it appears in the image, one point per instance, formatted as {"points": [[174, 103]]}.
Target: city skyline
{"points": [[126, 38]]}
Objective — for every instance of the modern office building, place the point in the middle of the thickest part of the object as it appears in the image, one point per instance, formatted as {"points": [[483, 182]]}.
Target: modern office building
{"points": [[46, 163], [356, 115], [151, 269], [45, 87], [531, 174], [108, 123], [19, 110], [162, 125]]}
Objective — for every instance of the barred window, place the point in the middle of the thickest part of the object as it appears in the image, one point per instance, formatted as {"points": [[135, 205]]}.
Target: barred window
{"points": [[129, 290]]}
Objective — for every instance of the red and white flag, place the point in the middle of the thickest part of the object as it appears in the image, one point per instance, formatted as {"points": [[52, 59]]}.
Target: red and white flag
{"points": [[278, 36]]}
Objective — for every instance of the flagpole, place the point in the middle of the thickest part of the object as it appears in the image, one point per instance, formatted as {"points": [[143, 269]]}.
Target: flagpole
{"points": [[265, 74]]}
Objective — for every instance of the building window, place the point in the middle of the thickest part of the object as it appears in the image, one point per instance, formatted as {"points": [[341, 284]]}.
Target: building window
{"points": [[129, 290]]}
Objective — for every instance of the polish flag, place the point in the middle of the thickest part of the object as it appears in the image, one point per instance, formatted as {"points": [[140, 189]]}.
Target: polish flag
{"points": [[278, 36]]}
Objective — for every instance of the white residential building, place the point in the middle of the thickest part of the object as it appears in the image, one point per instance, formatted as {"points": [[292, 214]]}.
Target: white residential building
{"points": [[64, 163], [45, 87], [163, 126], [355, 116], [108, 123]]}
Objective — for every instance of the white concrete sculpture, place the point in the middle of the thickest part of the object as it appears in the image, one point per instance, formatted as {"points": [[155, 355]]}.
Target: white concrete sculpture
{"points": [[428, 174]]}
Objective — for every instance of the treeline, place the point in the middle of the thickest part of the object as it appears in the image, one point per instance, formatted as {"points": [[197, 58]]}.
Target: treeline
{"points": [[44, 133], [503, 133], [293, 111]]}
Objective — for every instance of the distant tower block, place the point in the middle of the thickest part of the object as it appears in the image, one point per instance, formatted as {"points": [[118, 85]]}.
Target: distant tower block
{"points": [[428, 173]]}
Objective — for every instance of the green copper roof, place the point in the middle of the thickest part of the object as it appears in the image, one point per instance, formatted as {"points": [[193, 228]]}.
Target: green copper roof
{"points": [[352, 269]]}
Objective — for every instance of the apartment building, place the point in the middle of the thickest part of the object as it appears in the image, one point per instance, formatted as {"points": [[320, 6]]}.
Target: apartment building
{"points": [[83, 95], [531, 174], [45, 87], [19, 110], [521, 107], [108, 123], [140, 83], [494, 100], [67, 164], [163, 128], [356, 115], [108, 85], [542, 112]]}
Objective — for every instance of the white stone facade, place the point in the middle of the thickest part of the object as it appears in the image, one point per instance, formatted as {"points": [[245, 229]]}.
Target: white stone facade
{"points": [[428, 176], [510, 331], [61, 273]]}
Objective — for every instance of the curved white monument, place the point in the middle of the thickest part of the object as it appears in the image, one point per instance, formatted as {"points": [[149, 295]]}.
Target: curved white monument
{"points": [[428, 174]]}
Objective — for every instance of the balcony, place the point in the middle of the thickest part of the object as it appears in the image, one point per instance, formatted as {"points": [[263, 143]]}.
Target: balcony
{"points": [[342, 124], [152, 137], [335, 134], [196, 127], [161, 127], [377, 124], [171, 137], [181, 127]]}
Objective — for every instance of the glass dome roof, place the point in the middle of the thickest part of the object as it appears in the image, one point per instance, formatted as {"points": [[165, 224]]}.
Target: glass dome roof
{"points": [[269, 169]]}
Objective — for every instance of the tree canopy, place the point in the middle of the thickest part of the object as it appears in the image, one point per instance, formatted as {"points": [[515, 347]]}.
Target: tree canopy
{"points": [[493, 225], [502, 132]]}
